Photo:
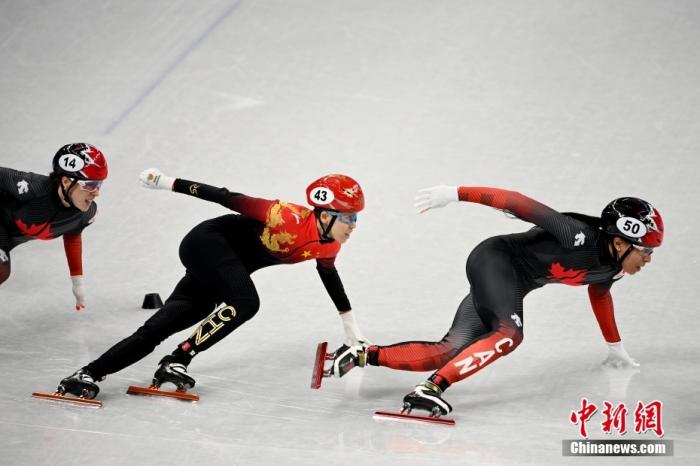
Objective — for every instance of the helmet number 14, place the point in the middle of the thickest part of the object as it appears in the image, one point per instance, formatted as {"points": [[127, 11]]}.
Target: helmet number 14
{"points": [[71, 163]]}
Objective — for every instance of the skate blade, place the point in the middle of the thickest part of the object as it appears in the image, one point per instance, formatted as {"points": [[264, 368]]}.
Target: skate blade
{"points": [[317, 374], [413, 418], [134, 390], [67, 399]]}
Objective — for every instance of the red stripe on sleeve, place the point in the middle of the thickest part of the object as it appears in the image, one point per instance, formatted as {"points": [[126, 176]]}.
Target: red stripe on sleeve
{"points": [[602, 303], [73, 245], [500, 199]]}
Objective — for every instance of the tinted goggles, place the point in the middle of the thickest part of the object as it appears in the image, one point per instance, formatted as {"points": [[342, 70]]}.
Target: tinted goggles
{"points": [[643, 250], [91, 186], [348, 219]]}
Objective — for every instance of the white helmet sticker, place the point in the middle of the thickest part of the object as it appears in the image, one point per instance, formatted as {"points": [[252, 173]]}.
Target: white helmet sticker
{"points": [[631, 227], [321, 195], [71, 163]]}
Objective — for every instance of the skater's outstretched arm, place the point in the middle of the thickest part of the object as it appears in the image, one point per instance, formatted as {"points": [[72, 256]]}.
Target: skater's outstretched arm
{"points": [[253, 207], [602, 303], [334, 287], [73, 245], [332, 283], [561, 226]]}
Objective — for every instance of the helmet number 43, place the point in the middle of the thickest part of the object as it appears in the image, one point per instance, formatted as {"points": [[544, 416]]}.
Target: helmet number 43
{"points": [[322, 195]]}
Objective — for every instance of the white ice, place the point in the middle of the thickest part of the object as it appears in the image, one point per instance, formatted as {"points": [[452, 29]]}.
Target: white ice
{"points": [[570, 102]]}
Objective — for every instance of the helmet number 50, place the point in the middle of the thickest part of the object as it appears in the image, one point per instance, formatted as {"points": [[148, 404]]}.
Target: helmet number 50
{"points": [[631, 227]]}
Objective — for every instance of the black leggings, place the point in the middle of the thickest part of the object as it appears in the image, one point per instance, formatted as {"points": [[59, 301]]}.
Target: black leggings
{"points": [[215, 275]]}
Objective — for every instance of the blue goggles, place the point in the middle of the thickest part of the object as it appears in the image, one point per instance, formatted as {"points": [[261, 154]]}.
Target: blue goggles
{"points": [[348, 219]]}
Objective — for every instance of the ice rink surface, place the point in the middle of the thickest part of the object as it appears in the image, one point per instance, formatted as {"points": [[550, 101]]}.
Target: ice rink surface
{"points": [[573, 103]]}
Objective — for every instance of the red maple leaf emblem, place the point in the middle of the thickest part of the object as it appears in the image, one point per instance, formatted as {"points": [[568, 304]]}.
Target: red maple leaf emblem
{"points": [[41, 231], [566, 276]]}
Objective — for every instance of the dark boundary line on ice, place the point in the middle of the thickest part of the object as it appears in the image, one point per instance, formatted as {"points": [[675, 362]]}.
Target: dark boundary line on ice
{"points": [[165, 73]]}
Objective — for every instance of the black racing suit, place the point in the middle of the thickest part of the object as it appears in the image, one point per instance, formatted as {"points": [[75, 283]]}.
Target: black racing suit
{"points": [[563, 248], [220, 254], [30, 208]]}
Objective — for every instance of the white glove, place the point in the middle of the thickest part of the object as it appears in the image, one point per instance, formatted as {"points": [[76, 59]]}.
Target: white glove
{"points": [[78, 291], [155, 179], [437, 196], [618, 357], [353, 335]]}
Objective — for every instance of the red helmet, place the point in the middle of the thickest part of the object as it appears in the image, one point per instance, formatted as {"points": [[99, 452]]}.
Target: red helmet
{"points": [[336, 192], [80, 161], [635, 220]]}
